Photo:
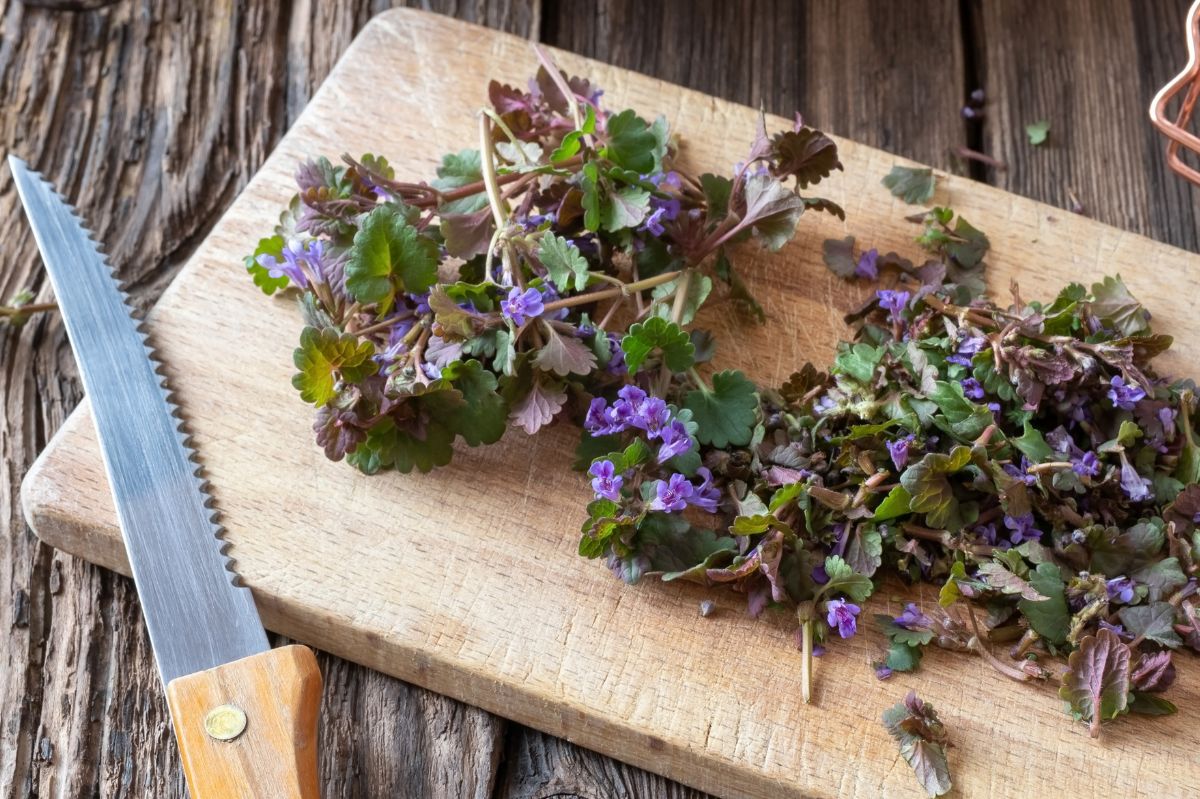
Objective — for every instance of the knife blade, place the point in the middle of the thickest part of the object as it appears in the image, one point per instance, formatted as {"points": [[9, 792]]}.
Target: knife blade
{"points": [[237, 705]]}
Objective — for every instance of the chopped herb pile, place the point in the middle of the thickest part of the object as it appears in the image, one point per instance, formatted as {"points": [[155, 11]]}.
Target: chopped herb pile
{"points": [[1025, 458]]}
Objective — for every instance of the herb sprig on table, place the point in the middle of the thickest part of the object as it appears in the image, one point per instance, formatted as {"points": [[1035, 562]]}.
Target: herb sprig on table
{"points": [[564, 255], [1026, 458]]}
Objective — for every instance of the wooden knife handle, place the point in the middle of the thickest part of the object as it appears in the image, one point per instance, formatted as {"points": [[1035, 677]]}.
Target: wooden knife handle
{"points": [[249, 728]]}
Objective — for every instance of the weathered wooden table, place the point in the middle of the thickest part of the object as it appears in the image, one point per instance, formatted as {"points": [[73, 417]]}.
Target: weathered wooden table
{"points": [[152, 115]]}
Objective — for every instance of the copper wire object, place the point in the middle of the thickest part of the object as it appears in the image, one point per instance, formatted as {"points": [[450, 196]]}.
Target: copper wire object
{"points": [[1187, 83]]}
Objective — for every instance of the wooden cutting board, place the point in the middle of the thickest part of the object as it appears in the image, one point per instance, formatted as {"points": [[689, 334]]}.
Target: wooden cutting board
{"points": [[466, 581]]}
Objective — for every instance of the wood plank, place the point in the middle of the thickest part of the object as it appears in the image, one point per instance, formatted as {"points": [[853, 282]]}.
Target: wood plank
{"points": [[1091, 70], [98, 99], [631, 672], [870, 70]]}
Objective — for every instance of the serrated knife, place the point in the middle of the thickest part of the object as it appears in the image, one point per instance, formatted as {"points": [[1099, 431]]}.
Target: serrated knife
{"points": [[245, 715]]}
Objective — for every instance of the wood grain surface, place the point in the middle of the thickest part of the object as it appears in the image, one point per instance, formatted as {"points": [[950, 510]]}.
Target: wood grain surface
{"points": [[465, 581], [94, 100]]}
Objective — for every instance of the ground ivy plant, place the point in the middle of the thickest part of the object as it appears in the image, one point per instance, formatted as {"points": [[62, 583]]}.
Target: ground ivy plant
{"points": [[1027, 458]]}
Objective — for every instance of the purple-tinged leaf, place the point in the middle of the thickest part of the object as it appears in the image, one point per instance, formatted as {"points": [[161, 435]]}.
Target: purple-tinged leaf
{"points": [[1096, 684]]}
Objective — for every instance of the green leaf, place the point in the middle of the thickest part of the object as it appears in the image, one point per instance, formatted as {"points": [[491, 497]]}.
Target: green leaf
{"points": [[931, 492], [261, 276], [482, 416], [1187, 470], [1115, 306], [1038, 132], [896, 503], [326, 354], [902, 657], [1032, 445], [1051, 618], [631, 143], [590, 186], [624, 208], [914, 186], [726, 413], [998, 577], [949, 593], [566, 265], [960, 417], [844, 580], [864, 550], [1155, 621], [968, 247], [563, 354], [1162, 578], [716, 193], [903, 635], [389, 447], [1150, 705], [591, 447], [457, 170], [1096, 683], [658, 334], [857, 360], [699, 287], [389, 255]]}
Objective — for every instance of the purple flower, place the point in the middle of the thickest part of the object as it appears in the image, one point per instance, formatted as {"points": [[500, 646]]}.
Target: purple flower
{"points": [[1116, 628], [823, 404], [1136, 487], [1022, 472], [968, 348], [1166, 417], [296, 253], [868, 265], [840, 614], [653, 223], [520, 306], [652, 416], [706, 495], [1087, 465], [601, 420], [629, 404], [913, 619], [672, 495], [1060, 440], [605, 482], [420, 303], [893, 302], [986, 533], [1021, 528], [616, 356], [1121, 589], [899, 451], [675, 441], [1123, 396], [972, 389], [882, 672]]}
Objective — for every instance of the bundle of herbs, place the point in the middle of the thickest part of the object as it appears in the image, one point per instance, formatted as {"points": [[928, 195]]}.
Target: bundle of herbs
{"points": [[1025, 458]]}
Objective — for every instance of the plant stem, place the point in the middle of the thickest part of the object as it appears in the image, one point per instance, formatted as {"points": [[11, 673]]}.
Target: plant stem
{"points": [[976, 643], [806, 661], [21, 310], [678, 308], [499, 207], [625, 290]]}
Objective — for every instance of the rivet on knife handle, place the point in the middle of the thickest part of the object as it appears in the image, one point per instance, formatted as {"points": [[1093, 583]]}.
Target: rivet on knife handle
{"points": [[275, 755]]}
